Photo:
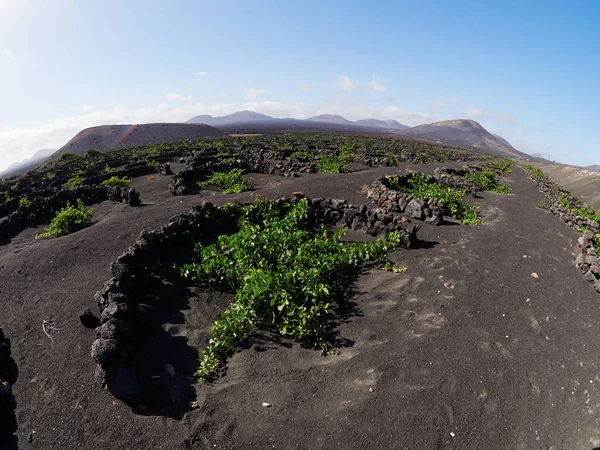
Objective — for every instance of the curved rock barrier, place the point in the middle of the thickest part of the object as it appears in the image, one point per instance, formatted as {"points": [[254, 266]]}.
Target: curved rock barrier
{"points": [[120, 300], [255, 161], [37, 187], [285, 163], [454, 178], [392, 201], [8, 377], [42, 210]]}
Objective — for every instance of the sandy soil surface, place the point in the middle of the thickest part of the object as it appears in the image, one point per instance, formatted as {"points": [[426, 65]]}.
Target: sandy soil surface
{"points": [[582, 182], [465, 350]]}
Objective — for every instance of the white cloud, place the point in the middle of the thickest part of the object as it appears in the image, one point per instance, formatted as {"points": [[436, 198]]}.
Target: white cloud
{"points": [[86, 108], [8, 55], [175, 97], [254, 94], [304, 87], [201, 74], [347, 83], [376, 86], [438, 105], [445, 104], [482, 113]]}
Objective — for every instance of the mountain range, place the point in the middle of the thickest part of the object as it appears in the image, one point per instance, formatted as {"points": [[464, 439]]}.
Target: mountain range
{"points": [[371, 123], [246, 117], [462, 133], [459, 133]]}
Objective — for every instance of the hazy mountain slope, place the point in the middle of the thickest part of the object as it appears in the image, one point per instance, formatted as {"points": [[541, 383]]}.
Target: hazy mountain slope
{"points": [[501, 139], [246, 117], [27, 164], [330, 118], [386, 124], [463, 133], [237, 117], [595, 167], [294, 126], [114, 137]]}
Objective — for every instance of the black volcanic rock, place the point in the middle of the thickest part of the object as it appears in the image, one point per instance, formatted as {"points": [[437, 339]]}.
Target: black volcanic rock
{"points": [[88, 319]]}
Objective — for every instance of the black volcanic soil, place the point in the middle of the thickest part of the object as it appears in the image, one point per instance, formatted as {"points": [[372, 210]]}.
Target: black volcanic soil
{"points": [[465, 350]]}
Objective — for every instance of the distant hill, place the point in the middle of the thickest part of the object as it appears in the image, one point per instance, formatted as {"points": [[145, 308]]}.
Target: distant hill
{"points": [[247, 117], [291, 126], [330, 118], [116, 137], [237, 117], [27, 164], [595, 167], [385, 124], [464, 133]]}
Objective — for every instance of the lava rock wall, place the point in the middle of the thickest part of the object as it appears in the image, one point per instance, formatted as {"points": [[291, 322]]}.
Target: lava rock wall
{"points": [[119, 298]]}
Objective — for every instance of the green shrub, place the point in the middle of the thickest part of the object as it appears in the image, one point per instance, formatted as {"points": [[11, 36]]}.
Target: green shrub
{"points": [[74, 181], [424, 187], [392, 160], [229, 182], [426, 158], [281, 270], [589, 212], [67, 156], [93, 153], [327, 163], [303, 156], [115, 181], [24, 202], [502, 165], [330, 164], [597, 244], [69, 220], [534, 171], [49, 176], [486, 179]]}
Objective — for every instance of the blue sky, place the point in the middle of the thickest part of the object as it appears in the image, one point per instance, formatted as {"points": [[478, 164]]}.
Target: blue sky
{"points": [[527, 70]]}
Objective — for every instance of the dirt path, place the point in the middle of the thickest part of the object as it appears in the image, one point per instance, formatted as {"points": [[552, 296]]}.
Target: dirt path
{"points": [[464, 350]]}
